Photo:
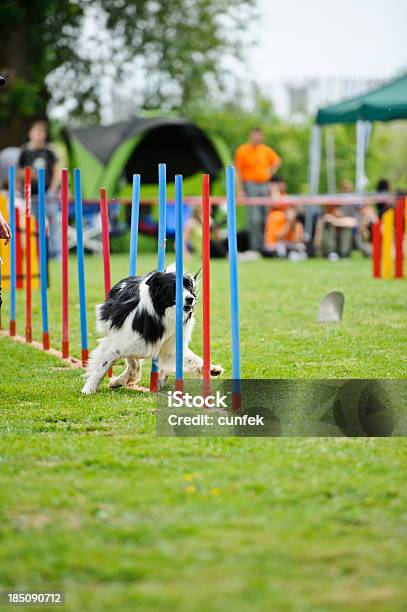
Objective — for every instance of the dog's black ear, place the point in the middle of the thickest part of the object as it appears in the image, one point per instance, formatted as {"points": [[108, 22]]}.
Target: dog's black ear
{"points": [[197, 276], [154, 279]]}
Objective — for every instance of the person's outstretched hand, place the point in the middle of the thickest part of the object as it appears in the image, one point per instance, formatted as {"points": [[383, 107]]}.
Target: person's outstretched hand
{"points": [[5, 233]]}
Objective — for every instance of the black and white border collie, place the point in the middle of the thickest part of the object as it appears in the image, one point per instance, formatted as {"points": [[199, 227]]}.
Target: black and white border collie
{"points": [[138, 322]]}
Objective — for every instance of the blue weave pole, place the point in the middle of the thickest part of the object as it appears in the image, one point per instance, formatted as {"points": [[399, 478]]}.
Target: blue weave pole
{"points": [[13, 270], [81, 263], [162, 206], [179, 286], [135, 212], [43, 257], [162, 237], [234, 290]]}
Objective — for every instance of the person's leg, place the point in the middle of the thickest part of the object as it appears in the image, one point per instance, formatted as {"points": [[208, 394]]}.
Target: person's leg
{"points": [[54, 225], [263, 191], [345, 241], [256, 228], [249, 191], [328, 240], [263, 223], [256, 215]]}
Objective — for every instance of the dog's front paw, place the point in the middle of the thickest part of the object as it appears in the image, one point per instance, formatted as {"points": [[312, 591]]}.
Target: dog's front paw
{"points": [[216, 370], [88, 389]]}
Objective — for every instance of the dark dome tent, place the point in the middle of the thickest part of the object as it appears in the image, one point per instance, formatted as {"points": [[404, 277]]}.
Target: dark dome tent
{"points": [[109, 155]]}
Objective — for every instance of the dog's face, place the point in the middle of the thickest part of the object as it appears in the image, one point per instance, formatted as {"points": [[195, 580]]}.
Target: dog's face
{"points": [[162, 291]]}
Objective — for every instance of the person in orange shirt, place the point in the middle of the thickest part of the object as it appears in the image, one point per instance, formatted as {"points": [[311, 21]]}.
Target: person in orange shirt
{"points": [[255, 164], [284, 232]]}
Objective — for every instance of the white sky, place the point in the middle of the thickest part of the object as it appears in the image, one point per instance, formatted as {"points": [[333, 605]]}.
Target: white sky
{"points": [[329, 38]]}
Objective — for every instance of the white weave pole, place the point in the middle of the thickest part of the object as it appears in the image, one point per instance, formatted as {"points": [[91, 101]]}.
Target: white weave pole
{"points": [[330, 159], [315, 159], [363, 129], [314, 172]]}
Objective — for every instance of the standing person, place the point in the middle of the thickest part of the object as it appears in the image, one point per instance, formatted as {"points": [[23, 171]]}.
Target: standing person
{"points": [[255, 164], [37, 153]]}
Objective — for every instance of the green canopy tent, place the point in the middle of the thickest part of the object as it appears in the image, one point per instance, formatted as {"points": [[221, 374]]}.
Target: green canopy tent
{"points": [[386, 103], [109, 155]]}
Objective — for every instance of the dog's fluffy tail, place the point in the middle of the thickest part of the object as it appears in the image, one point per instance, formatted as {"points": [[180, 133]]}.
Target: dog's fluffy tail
{"points": [[101, 326]]}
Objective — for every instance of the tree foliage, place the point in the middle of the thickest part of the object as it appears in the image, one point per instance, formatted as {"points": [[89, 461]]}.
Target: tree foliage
{"points": [[70, 51]]}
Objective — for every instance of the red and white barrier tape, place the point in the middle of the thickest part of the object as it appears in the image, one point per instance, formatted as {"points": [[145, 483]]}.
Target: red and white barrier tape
{"points": [[349, 199]]}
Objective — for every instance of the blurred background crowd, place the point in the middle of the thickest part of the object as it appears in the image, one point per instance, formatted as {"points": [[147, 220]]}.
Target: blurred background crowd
{"points": [[83, 76]]}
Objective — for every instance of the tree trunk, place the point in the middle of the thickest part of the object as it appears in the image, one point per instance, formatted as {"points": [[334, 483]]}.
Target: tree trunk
{"points": [[16, 66], [14, 132]]}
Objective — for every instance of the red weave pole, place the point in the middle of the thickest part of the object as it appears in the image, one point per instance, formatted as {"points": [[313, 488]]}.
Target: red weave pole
{"points": [[236, 401], [85, 357], [64, 207], [377, 249], [179, 385], [398, 237], [206, 282], [28, 300], [105, 245], [105, 240]]}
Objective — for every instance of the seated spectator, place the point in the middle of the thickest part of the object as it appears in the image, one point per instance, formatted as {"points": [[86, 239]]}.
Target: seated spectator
{"points": [[365, 217], [334, 233], [284, 231]]}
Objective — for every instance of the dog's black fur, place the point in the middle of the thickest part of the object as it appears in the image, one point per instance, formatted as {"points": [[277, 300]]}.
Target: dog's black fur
{"points": [[124, 297]]}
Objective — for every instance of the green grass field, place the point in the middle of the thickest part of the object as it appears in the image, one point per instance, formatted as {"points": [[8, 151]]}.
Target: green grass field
{"points": [[93, 503]]}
